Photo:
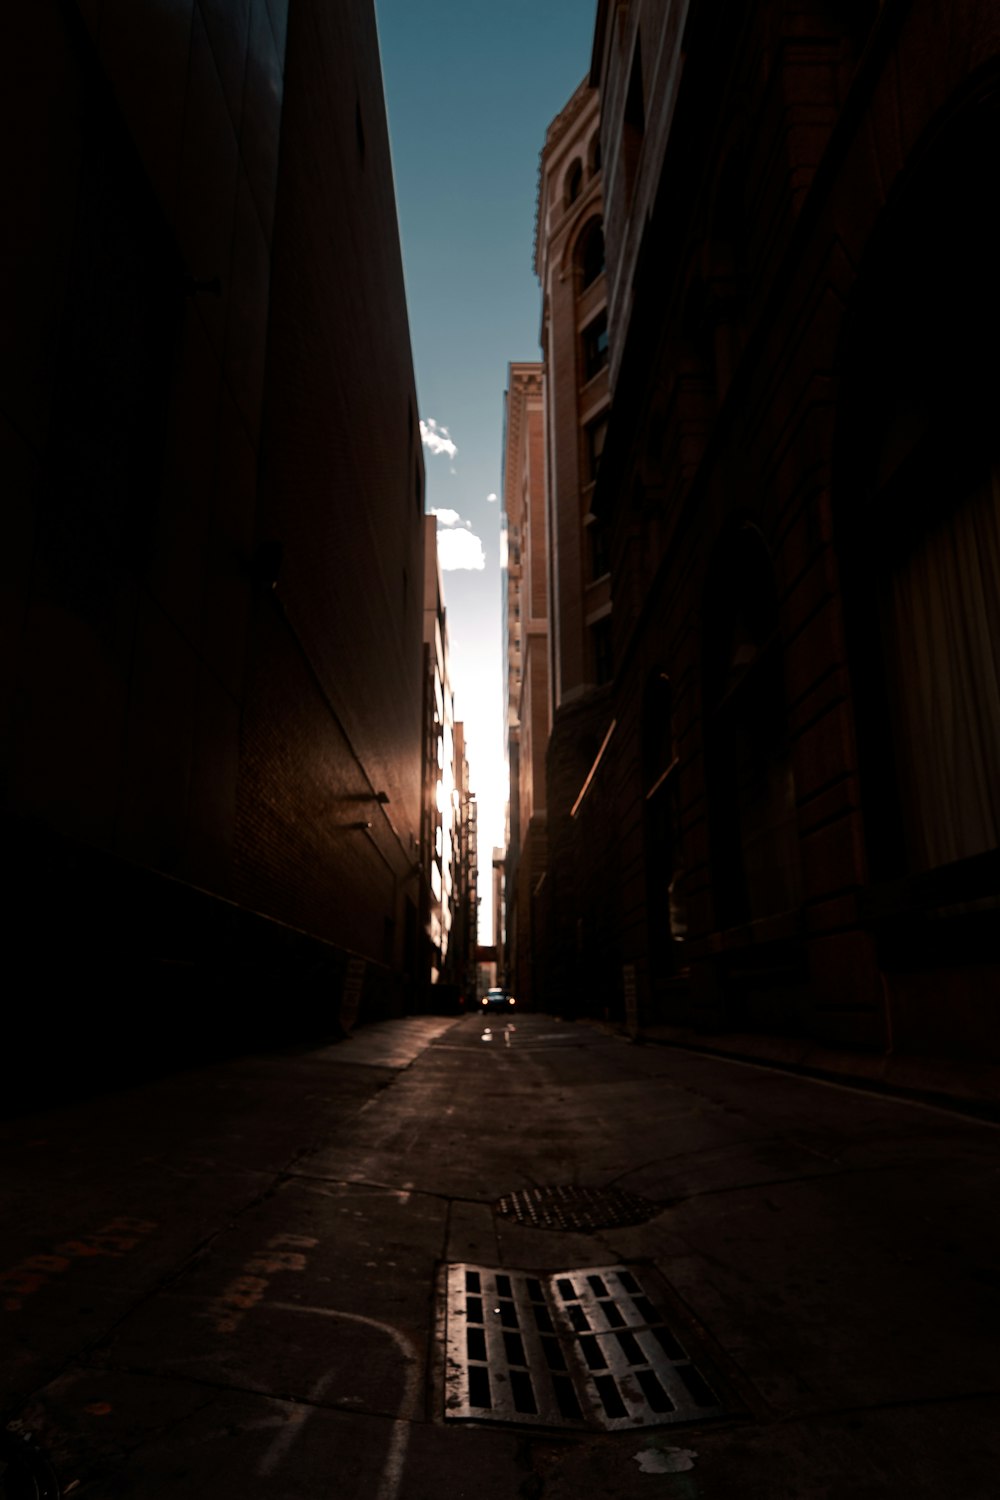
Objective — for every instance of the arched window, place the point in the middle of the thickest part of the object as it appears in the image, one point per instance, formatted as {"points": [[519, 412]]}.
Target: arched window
{"points": [[594, 154], [574, 182]]}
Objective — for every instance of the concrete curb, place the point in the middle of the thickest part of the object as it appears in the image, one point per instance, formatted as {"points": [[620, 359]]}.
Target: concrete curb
{"points": [[967, 1087]]}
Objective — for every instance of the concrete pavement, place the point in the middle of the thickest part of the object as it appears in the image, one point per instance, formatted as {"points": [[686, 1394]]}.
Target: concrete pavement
{"points": [[227, 1282]]}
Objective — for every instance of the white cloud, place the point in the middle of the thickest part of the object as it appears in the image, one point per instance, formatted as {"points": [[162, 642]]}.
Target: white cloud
{"points": [[447, 517], [460, 549], [491, 496], [436, 439]]}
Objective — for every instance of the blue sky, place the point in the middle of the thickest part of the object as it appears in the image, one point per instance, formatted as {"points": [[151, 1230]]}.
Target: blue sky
{"points": [[470, 91]]}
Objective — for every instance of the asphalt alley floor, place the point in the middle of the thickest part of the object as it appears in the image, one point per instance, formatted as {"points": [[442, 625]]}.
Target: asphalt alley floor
{"points": [[229, 1281]]}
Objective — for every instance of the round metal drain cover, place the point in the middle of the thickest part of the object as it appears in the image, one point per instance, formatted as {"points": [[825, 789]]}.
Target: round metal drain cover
{"points": [[570, 1207]]}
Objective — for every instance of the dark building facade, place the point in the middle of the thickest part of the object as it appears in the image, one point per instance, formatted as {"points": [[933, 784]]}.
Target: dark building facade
{"points": [[795, 802], [211, 691], [573, 912], [464, 941], [526, 698]]}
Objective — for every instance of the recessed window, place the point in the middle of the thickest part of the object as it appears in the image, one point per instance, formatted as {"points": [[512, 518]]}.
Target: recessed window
{"points": [[590, 254], [595, 433], [601, 644], [600, 561], [940, 629], [574, 183], [595, 346]]}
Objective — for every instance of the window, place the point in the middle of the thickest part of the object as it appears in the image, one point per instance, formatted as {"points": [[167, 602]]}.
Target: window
{"points": [[595, 433], [600, 561], [595, 346], [603, 660], [918, 525], [574, 182], [590, 254], [941, 632]]}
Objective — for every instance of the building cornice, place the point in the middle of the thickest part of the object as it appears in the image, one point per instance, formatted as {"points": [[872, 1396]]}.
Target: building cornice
{"points": [[560, 127], [566, 117]]}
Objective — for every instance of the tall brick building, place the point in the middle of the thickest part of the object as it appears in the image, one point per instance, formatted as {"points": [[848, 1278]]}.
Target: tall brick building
{"points": [[527, 669], [569, 262], [790, 825], [211, 695], [448, 838]]}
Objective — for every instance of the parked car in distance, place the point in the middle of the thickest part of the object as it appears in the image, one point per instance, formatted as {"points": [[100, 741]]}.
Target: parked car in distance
{"points": [[498, 1000]]}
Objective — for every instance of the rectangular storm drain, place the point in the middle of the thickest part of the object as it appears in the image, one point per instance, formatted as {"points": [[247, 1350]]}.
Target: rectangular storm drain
{"points": [[585, 1349]]}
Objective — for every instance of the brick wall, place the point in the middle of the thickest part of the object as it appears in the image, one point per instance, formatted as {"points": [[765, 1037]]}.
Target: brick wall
{"points": [[728, 409], [213, 472]]}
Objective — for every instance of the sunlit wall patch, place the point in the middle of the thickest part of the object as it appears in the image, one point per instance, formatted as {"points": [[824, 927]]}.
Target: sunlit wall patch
{"points": [[582, 1349]]}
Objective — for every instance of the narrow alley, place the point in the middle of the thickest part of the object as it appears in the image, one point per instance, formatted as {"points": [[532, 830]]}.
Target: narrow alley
{"points": [[233, 1280]]}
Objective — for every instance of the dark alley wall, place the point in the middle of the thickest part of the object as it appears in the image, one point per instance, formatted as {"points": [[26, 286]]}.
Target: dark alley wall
{"points": [[212, 485], [800, 481]]}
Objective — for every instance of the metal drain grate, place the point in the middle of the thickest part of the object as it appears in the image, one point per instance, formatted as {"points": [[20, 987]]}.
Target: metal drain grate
{"points": [[570, 1207], [579, 1349]]}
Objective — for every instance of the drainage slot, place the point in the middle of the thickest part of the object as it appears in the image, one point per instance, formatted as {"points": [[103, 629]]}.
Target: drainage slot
{"points": [[613, 1313], [475, 1342], [508, 1315], [567, 1291], [535, 1292], [668, 1343], [597, 1286], [543, 1320], [646, 1310], [503, 1287], [579, 1319], [593, 1354], [479, 1387], [653, 1391], [474, 1309], [524, 1396], [515, 1349], [701, 1392], [569, 1406], [472, 1283], [628, 1281], [553, 1354], [610, 1396], [629, 1345]]}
